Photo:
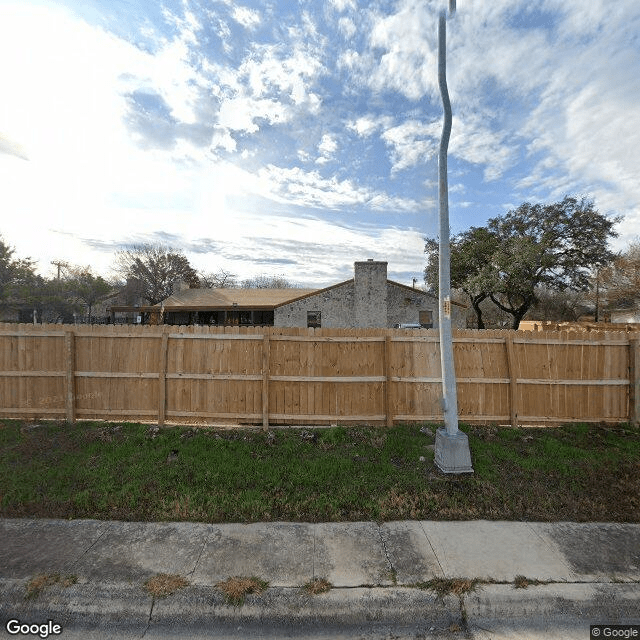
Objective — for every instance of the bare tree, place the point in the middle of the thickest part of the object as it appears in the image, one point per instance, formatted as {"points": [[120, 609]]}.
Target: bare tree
{"points": [[222, 279], [267, 282], [154, 269], [619, 283]]}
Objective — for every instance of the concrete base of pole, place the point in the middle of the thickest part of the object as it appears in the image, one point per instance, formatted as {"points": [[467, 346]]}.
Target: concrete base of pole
{"points": [[452, 452]]}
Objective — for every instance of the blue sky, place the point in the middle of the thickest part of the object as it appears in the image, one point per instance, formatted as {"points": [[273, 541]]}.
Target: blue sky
{"points": [[294, 138]]}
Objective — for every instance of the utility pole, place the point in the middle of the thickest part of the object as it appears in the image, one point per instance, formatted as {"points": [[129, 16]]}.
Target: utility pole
{"points": [[452, 453], [59, 264]]}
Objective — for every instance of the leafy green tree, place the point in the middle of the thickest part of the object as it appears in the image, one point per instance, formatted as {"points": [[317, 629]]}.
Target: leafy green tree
{"points": [[54, 302], [552, 246], [470, 253], [17, 278], [85, 288], [153, 270]]}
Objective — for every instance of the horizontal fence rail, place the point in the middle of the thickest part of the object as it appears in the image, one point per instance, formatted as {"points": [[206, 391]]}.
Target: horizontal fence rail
{"points": [[274, 375]]}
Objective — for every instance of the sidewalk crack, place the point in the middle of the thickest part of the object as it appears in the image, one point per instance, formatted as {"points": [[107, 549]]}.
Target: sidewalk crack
{"points": [[144, 633], [195, 566], [435, 555], [464, 619], [550, 544], [93, 544], [392, 571], [313, 559]]}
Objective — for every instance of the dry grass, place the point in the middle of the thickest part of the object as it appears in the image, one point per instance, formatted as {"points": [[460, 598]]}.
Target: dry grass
{"points": [[522, 582], [450, 586], [235, 589], [165, 584], [43, 580], [317, 585]]}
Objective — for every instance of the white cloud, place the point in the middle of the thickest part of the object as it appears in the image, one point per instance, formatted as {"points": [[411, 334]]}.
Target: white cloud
{"points": [[12, 148], [408, 39], [222, 139], [241, 113], [369, 124], [347, 27], [474, 142], [298, 187], [327, 148], [586, 124], [344, 5], [349, 59], [248, 18], [292, 74], [411, 142], [305, 248]]}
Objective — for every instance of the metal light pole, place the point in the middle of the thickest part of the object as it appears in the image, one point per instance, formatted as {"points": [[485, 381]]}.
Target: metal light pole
{"points": [[452, 453]]}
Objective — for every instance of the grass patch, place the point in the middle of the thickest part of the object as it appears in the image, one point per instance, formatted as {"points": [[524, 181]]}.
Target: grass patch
{"points": [[317, 586], [36, 585], [134, 472], [165, 584], [237, 588]]}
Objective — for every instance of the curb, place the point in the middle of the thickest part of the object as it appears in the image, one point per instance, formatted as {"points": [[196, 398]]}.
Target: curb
{"points": [[99, 610]]}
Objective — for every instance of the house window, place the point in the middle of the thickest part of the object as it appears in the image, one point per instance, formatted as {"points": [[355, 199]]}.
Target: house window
{"points": [[425, 318], [264, 318], [314, 319]]}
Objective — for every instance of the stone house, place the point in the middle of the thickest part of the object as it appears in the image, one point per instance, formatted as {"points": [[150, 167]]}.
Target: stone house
{"points": [[368, 299]]}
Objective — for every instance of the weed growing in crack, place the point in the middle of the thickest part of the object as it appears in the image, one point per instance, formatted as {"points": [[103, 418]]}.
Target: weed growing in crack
{"points": [[522, 582], [450, 586], [165, 584], [235, 589], [317, 585], [36, 585]]}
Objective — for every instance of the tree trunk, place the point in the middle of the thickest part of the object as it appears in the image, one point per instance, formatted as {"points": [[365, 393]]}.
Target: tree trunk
{"points": [[518, 313], [478, 310]]}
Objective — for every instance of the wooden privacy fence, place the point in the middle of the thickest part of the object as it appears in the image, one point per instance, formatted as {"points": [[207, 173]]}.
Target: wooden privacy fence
{"points": [[272, 375]]}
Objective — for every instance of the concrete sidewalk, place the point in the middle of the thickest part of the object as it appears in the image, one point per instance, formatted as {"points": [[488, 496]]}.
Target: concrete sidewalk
{"points": [[587, 574]]}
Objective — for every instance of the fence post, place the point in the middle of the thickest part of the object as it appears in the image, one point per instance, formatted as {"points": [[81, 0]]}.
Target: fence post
{"points": [[513, 380], [634, 381], [388, 396], [162, 377], [70, 404], [266, 354]]}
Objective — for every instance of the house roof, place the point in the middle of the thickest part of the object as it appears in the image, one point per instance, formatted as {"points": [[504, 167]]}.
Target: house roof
{"points": [[229, 298], [313, 292], [211, 299]]}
